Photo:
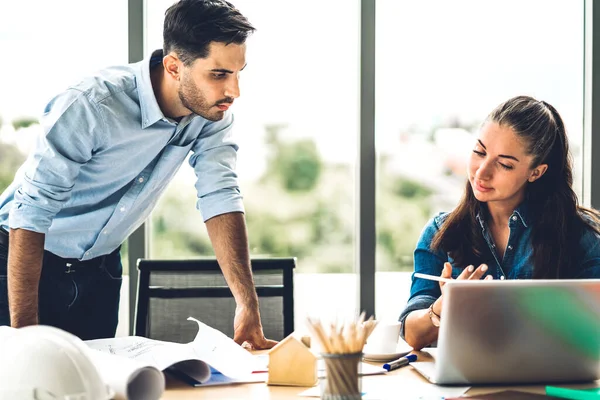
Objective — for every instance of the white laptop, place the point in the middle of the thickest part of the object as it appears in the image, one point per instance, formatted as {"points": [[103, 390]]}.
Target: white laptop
{"points": [[518, 331]]}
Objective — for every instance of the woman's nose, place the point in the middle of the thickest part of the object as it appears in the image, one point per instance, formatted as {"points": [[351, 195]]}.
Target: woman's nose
{"points": [[484, 171]]}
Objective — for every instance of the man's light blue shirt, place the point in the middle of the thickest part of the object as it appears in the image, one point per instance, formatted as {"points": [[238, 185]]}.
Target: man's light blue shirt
{"points": [[106, 154]]}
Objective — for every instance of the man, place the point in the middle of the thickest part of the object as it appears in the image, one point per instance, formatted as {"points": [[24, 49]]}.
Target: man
{"points": [[110, 145]]}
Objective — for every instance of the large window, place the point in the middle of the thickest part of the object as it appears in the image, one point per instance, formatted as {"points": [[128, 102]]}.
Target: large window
{"points": [[297, 126], [442, 66]]}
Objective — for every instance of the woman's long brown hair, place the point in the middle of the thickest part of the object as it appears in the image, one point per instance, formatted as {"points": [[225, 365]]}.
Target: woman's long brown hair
{"points": [[557, 220]]}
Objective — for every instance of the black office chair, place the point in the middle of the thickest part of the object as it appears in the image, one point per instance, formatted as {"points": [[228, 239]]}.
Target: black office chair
{"points": [[170, 291]]}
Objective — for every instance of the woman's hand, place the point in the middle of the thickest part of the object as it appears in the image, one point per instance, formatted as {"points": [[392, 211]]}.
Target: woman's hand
{"points": [[470, 272]]}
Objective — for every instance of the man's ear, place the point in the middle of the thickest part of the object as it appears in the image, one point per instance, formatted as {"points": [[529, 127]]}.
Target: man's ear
{"points": [[172, 65], [538, 172]]}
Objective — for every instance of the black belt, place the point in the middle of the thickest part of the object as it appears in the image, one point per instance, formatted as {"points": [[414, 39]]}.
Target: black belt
{"points": [[3, 237]]}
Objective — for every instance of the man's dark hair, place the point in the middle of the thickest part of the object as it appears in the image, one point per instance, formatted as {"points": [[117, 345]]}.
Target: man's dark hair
{"points": [[191, 25]]}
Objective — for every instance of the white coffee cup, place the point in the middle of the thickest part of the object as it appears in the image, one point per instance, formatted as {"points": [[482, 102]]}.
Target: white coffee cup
{"points": [[384, 338]]}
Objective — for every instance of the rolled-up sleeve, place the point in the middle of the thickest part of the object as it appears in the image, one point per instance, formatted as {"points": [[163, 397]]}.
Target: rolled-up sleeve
{"points": [[423, 292], [214, 160], [72, 129]]}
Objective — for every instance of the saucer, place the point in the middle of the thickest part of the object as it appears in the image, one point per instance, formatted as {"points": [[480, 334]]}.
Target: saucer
{"points": [[383, 357]]}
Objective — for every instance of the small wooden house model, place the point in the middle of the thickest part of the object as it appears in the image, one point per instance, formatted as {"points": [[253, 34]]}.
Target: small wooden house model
{"points": [[292, 363]]}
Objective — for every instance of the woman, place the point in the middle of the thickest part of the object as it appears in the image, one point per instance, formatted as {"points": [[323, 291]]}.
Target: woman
{"points": [[518, 219]]}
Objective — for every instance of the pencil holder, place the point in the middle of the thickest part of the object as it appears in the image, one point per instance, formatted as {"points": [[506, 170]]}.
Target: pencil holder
{"points": [[342, 379]]}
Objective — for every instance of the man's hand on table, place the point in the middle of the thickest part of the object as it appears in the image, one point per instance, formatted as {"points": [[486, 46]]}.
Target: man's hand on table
{"points": [[248, 330]]}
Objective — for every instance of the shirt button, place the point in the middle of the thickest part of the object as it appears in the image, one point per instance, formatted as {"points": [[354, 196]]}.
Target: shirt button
{"points": [[87, 253], [140, 180], [502, 278], [105, 232], [122, 209], [514, 218], [510, 247]]}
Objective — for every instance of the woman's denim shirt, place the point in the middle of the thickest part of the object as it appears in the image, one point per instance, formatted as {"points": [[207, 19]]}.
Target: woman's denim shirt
{"points": [[515, 264]]}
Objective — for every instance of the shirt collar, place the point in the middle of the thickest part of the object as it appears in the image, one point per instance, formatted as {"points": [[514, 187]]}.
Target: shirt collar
{"points": [[521, 213], [150, 109]]}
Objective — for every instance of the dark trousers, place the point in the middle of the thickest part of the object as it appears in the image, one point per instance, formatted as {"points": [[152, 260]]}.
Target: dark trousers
{"points": [[78, 297]]}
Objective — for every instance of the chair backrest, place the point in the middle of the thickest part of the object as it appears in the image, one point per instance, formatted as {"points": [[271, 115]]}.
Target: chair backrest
{"points": [[170, 291]]}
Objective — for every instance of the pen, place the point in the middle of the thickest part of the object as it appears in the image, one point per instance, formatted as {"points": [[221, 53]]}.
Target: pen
{"points": [[401, 362], [432, 277], [439, 278]]}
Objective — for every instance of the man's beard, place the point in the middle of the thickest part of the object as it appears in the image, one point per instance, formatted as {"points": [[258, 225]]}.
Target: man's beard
{"points": [[192, 98]]}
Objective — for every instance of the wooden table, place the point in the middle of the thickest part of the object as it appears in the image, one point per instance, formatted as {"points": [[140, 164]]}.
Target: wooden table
{"points": [[405, 383]]}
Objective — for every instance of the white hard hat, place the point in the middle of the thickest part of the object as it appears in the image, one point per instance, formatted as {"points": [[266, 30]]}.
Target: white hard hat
{"points": [[45, 363]]}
